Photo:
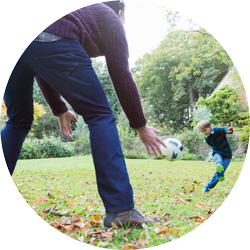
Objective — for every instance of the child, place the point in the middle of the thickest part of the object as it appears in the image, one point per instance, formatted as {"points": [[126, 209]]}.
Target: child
{"points": [[222, 152]]}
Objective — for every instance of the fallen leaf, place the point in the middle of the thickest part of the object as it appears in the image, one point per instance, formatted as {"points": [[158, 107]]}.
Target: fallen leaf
{"points": [[126, 239], [147, 235], [185, 218], [129, 246], [108, 235], [65, 212], [94, 222], [88, 225], [80, 224]]}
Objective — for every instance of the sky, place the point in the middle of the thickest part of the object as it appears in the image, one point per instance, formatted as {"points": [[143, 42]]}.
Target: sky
{"points": [[145, 27], [226, 20]]}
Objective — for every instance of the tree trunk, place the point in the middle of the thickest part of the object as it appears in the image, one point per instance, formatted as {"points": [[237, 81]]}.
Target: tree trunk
{"points": [[199, 94], [191, 95]]}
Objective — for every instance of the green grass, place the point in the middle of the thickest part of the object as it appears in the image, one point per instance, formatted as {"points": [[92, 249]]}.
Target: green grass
{"points": [[160, 187]]}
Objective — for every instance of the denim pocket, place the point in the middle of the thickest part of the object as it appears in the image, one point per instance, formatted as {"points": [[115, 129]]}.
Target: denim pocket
{"points": [[62, 62]]}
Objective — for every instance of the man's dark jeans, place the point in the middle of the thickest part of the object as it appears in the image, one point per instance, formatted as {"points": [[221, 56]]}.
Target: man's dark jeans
{"points": [[66, 66]]}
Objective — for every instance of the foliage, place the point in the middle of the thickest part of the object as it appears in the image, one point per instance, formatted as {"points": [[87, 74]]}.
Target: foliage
{"points": [[82, 146], [46, 124], [3, 117], [207, 47], [201, 113], [169, 92], [81, 137], [47, 147], [191, 140], [37, 95], [192, 157], [224, 106], [244, 135], [38, 112], [127, 138], [233, 141], [170, 193], [103, 75]]}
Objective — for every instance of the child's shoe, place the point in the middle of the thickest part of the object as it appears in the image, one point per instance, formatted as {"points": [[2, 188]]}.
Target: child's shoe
{"points": [[205, 190], [220, 172]]}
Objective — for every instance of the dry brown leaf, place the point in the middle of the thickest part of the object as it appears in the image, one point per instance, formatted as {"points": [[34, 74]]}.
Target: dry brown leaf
{"points": [[126, 239], [147, 234], [80, 224], [180, 201], [88, 225], [65, 212], [200, 220], [162, 232], [95, 217], [140, 239], [114, 225], [185, 218], [129, 246], [76, 218], [108, 235], [195, 217], [94, 222]]}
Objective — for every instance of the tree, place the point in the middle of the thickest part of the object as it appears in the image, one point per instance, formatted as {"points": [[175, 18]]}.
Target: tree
{"points": [[103, 75], [39, 111], [163, 82], [4, 117], [225, 107]]}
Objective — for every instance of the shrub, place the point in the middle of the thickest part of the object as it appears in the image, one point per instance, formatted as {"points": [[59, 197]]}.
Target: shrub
{"points": [[244, 135], [82, 146], [192, 157], [47, 147], [191, 140]]}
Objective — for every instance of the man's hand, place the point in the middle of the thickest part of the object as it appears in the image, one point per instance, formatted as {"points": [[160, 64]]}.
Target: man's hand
{"points": [[64, 121], [230, 130], [150, 140]]}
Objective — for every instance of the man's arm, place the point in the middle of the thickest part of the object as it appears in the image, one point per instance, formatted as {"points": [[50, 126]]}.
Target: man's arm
{"points": [[57, 106], [116, 54]]}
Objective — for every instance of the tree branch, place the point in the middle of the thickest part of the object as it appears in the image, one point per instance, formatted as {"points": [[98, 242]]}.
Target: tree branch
{"points": [[211, 55], [204, 34]]}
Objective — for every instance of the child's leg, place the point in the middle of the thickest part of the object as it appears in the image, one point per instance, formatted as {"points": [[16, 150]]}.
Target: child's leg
{"points": [[219, 162], [226, 162], [213, 182], [215, 179]]}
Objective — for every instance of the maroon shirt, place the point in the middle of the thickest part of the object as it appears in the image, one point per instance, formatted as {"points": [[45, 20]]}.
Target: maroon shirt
{"points": [[101, 33]]}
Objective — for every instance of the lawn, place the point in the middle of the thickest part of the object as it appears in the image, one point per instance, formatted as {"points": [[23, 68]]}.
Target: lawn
{"points": [[168, 192]]}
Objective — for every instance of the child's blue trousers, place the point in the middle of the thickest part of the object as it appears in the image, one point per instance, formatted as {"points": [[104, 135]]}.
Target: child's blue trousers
{"points": [[225, 163]]}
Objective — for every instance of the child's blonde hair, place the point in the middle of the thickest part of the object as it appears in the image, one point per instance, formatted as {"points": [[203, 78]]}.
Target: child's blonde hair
{"points": [[203, 124]]}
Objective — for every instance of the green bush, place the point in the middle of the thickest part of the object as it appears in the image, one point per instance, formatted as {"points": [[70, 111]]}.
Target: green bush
{"points": [[82, 146], [244, 135], [190, 139], [138, 152], [47, 147], [192, 157]]}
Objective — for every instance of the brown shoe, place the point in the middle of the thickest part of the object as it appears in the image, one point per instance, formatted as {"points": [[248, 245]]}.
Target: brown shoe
{"points": [[131, 218]]}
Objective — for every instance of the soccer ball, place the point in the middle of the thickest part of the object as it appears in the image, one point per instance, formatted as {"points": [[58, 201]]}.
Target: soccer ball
{"points": [[174, 149]]}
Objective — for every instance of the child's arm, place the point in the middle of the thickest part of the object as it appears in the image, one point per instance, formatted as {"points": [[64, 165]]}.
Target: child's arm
{"points": [[230, 130]]}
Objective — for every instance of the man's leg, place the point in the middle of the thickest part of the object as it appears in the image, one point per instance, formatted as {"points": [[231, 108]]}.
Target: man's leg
{"points": [[68, 69], [19, 102]]}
